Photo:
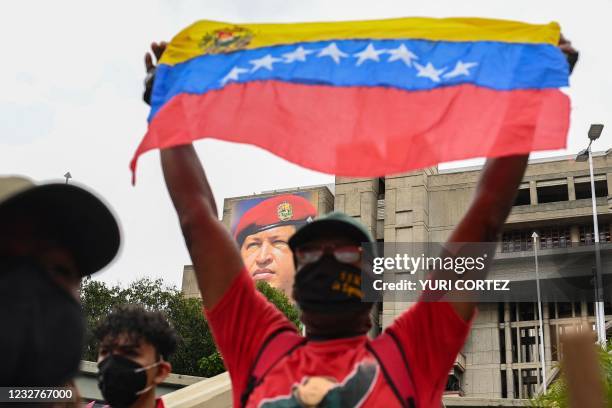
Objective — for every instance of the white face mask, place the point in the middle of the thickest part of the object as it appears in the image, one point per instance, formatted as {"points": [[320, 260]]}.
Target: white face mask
{"points": [[145, 369]]}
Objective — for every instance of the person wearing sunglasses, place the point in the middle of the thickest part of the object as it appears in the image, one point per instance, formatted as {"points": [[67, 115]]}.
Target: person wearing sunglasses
{"points": [[335, 364]]}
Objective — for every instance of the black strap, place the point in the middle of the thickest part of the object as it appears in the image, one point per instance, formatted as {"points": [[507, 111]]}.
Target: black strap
{"points": [[405, 360], [254, 379], [406, 399]]}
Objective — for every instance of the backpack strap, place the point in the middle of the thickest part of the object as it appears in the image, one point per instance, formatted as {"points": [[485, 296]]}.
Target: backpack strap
{"points": [[278, 345], [386, 349]]}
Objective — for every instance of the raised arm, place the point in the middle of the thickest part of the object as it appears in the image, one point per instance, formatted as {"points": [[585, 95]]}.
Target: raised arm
{"points": [[493, 199], [495, 195], [214, 253], [487, 214]]}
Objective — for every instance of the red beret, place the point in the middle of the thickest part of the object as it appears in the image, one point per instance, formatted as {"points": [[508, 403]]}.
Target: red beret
{"points": [[277, 211]]}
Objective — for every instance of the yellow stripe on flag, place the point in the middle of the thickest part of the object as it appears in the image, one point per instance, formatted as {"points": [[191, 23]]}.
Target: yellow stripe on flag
{"points": [[211, 37]]}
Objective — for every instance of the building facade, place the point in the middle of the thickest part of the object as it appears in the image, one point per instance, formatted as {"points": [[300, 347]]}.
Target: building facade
{"points": [[500, 358]]}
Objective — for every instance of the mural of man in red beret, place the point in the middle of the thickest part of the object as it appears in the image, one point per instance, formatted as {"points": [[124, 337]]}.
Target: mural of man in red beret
{"points": [[263, 234]]}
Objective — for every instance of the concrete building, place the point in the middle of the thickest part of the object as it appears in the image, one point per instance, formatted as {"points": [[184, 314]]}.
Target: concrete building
{"points": [[500, 359]]}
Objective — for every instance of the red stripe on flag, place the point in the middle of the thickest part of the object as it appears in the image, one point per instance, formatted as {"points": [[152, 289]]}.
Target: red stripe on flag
{"points": [[366, 131]]}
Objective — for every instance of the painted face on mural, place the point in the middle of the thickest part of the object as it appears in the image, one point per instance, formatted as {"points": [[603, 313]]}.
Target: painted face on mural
{"points": [[267, 256], [263, 233]]}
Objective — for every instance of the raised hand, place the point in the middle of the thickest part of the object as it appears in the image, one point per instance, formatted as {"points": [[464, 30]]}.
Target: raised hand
{"points": [[570, 52], [157, 49]]}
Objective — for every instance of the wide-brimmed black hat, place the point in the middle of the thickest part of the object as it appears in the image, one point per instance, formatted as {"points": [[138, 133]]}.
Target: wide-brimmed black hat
{"points": [[70, 215]]}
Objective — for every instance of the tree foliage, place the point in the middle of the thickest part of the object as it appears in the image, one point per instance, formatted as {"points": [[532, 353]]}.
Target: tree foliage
{"points": [[556, 395], [196, 353]]}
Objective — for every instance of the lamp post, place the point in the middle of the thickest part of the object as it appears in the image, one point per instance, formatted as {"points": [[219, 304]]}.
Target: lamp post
{"points": [[541, 331], [584, 155]]}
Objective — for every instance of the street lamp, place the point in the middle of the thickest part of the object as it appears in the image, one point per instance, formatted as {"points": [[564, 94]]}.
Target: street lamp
{"points": [[541, 331], [584, 155]]}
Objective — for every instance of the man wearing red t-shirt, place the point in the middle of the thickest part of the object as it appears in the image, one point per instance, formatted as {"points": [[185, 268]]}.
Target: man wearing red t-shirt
{"points": [[335, 363], [335, 367]]}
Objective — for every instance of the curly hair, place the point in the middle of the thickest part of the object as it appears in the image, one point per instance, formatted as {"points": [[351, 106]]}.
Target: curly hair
{"points": [[139, 324]]}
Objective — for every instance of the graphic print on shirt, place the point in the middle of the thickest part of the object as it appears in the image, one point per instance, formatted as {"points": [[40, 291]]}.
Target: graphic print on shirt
{"points": [[326, 392]]}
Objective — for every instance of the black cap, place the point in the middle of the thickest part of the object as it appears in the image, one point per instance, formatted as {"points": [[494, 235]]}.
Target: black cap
{"points": [[71, 215], [334, 224]]}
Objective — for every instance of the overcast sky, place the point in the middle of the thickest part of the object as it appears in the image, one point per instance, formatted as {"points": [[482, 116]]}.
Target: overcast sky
{"points": [[70, 99]]}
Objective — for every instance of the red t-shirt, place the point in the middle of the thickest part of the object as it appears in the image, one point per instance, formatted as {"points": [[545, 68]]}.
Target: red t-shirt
{"points": [[431, 335]]}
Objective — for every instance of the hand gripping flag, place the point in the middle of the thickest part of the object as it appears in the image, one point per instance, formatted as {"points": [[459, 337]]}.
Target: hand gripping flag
{"points": [[364, 98]]}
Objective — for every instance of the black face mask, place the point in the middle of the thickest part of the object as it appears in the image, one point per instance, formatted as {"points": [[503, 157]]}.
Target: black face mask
{"points": [[329, 285], [122, 380], [43, 328]]}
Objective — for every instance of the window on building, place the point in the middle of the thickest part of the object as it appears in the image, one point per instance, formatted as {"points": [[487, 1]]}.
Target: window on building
{"points": [[587, 235], [564, 310], [590, 308], [528, 345], [577, 309], [514, 335], [552, 310], [607, 308], [526, 311], [551, 194], [515, 378], [504, 384], [523, 197], [555, 237], [381, 188], [554, 346], [583, 188], [530, 381], [453, 384], [517, 240]]}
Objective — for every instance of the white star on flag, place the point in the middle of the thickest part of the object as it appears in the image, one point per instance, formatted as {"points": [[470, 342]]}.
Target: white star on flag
{"points": [[299, 54], [333, 52], [429, 71], [264, 62], [462, 68], [402, 53], [233, 75], [370, 53]]}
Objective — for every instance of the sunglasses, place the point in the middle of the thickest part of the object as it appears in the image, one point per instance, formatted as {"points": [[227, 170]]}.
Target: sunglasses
{"points": [[343, 253]]}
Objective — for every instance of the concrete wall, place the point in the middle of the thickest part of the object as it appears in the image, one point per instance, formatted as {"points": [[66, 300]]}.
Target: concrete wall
{"points": [[482, 375]]}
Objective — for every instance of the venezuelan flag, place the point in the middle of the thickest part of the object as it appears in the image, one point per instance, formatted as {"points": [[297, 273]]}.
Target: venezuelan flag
{"points": [[364, 98]]}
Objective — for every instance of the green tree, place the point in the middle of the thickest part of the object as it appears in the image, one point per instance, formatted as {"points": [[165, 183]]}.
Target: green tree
{"points": [[196, 353], [556, 395]]}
